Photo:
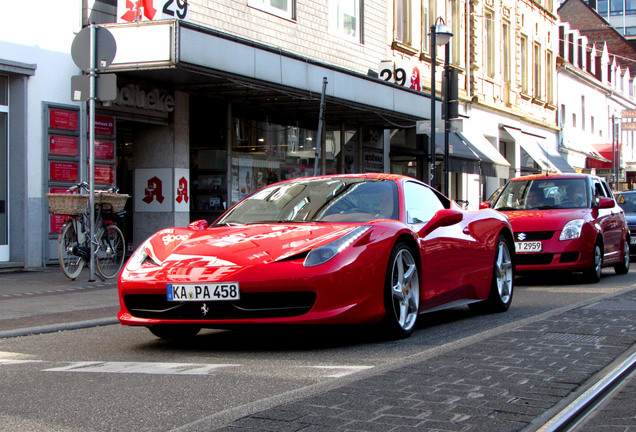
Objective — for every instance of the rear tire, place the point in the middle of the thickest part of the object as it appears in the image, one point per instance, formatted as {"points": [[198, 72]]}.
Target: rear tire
{"points": [[503, 280], [401, 292], [623, 267], [70, 263], [174, 332]]}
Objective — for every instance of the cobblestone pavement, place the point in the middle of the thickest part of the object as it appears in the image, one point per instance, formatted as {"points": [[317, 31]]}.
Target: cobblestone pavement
{"points": [[514, 381]]}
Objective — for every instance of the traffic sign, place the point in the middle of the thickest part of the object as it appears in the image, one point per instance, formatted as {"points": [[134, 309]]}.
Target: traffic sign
{"points": [[105, 49], [105, 87]]}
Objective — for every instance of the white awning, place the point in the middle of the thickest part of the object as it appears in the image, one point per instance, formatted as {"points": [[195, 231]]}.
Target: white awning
{"points": [[531, 146], [488, 153]]}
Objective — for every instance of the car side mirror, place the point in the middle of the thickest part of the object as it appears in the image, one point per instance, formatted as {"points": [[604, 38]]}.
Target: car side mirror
{"points": [[484, 205], [443, 218], [198, 225], [605, 203]]}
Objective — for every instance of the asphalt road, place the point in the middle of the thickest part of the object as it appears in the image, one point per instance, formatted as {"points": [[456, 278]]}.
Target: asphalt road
{"points": [[121, 378]]}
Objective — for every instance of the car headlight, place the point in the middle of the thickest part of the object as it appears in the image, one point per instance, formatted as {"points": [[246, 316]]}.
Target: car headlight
{"points": [[572, 230], [140, 256], [322, 254]]}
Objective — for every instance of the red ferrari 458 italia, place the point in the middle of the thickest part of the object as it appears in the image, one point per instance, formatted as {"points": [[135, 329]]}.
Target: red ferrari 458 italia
{"points": [[341, 249]]}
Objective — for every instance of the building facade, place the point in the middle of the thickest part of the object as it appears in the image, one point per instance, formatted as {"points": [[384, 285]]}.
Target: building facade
{"points": [[216, 99]]}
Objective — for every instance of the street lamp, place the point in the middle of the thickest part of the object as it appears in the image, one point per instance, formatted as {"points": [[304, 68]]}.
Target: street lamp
{"points": [[440, 35]]}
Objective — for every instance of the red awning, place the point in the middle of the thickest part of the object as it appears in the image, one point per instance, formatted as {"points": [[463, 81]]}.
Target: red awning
{"points": [[606, 151]]}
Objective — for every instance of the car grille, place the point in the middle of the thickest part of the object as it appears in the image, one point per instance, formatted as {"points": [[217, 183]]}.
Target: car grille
{"points": [[534, 259], [534, 235], [251, 305]]}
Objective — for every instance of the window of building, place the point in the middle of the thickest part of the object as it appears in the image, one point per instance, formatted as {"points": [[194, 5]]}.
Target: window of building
{"points": [[537, 71], [4, 167], [563, 115], [573, 119], [453, 18], [281, 8], [630, 7], [616, 7], [505, 54], [403, 22], [344, 18], [630, 31], [549, 76], [601, 7], [582, 112], [524, 63], [592, 124], [489, 41]]}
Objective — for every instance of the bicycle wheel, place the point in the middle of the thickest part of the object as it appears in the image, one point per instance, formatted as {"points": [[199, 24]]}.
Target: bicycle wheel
{"points": [[70, 263], [109, 256]]}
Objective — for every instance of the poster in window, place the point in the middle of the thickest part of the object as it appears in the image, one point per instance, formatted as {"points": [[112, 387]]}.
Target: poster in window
{"points": [[61, 145], [104, 125], [105, 174], [104, 149], [63, 119], [63, 171]]}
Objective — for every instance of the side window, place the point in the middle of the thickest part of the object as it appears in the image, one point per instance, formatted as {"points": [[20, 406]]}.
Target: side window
{"points": [[421, 203], [598, 190], [608, 190]]}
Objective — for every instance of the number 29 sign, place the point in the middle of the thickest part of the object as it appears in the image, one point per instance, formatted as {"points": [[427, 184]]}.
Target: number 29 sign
{"points": [[151, 10], [403, 75]]}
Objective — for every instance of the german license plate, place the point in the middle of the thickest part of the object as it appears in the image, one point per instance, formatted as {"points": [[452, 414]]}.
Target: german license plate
{"points": [[528, 247], [221, 291]]}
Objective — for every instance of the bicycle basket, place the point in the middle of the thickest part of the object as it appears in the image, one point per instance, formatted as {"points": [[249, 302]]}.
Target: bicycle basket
{"points": [[67, 204], [114, 201]]}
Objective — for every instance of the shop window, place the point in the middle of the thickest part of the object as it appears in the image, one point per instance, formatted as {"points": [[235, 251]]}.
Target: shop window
{"points": [[281, 8], [264, 153], [344, 18]]}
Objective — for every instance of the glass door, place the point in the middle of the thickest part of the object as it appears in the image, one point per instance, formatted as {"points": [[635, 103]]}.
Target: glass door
{"points": [[4, 169]]}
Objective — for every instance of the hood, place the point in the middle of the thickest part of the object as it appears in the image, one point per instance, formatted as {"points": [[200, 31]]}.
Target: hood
{"points": [[544, 220], [240, 245]]}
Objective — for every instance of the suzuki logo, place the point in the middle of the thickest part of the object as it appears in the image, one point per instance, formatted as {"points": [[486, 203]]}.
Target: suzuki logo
{"points": [[521, 236]]}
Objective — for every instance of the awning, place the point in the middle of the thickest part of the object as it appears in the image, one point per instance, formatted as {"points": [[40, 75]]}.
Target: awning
{"points": [[584, 148], [461, 158], [546, 160], [606, 150], [493, 164], [219, 65]]}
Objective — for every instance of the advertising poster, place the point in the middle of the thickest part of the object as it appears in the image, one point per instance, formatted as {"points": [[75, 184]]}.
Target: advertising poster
{"points": [[181, 194], [153, 190]]}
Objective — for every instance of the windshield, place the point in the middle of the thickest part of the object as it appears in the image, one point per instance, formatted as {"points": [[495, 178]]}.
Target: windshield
{"points": [[322, 200], [544, 194]]}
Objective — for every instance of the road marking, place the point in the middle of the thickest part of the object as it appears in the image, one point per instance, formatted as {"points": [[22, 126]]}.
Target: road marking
{"points": [[11, 362], [142, 368]]}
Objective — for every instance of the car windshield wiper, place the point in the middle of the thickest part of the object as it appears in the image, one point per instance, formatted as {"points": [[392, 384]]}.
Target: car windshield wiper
{"points": [[507, 208]]}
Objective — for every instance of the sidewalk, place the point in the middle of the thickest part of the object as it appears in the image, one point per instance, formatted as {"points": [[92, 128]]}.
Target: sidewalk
{"points": [[43, 299]]}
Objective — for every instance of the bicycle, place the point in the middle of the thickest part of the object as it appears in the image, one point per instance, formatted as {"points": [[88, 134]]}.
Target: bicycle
{"points": [[74, 243]]}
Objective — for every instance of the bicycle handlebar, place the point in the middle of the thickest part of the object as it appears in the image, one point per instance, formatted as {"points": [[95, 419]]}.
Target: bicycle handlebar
{"points": [[84, 185]]}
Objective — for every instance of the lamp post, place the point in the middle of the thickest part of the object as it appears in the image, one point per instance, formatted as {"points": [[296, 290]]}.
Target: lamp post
{"points": [[440, 35]]}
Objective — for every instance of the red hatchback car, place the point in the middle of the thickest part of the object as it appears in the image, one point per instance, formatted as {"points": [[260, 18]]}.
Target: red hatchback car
{"points": [[567, 222]]}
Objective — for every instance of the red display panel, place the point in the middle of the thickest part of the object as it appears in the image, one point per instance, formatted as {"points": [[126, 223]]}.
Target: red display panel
{"points": [[104, 149], [63, 119], [63, 171], [104, 125], [61, 145], [104, 174]]}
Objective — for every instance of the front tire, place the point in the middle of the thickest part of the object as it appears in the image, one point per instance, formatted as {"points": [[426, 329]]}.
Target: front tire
{"points": [[623, 267], [70, 263], [593, 274], [401, 292], [110, 252], [503, 279]]}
